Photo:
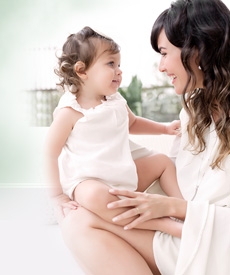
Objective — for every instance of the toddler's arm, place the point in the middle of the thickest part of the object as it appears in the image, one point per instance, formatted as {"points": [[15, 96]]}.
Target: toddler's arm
{"points": [[144, 126], [56, 137]]}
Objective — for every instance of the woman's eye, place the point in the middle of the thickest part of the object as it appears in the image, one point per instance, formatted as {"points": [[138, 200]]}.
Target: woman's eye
{"points": [[163, 54]]}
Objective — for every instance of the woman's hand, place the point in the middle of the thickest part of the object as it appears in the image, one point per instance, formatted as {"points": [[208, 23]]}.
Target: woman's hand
{"points": [[147, 206], [62, 206]]}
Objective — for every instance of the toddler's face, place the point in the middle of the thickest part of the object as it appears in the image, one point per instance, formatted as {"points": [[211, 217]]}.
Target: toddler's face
{"points": [[104, 75]]}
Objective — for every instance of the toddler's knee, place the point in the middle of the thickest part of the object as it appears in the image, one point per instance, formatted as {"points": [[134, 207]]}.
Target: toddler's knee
{"points": [[162, 158], [92, 195]]}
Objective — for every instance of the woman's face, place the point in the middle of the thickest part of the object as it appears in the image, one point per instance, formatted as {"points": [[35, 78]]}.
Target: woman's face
{"points": [[171, 64]]}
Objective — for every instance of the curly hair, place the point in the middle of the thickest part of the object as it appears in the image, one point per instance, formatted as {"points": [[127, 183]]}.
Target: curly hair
{"points": [[81, 46], [203, 26]]}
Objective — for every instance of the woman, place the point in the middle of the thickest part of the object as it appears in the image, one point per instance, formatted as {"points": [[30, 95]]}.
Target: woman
{"points": [[193, 38]]}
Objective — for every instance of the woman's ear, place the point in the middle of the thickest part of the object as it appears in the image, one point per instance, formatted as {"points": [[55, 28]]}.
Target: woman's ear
{"points": [[197, 58], [80, 69]]}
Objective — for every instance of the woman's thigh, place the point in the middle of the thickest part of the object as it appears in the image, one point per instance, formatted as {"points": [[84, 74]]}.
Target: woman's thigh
{"points": [[84, 231]]}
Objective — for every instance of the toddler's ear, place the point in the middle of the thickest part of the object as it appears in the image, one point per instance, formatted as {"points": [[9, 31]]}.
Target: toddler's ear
{"points": [[80, 69]]}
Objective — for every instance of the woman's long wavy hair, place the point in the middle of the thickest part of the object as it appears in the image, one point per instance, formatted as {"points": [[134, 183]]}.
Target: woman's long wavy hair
{"points": [[82, 46], [202, 26]]}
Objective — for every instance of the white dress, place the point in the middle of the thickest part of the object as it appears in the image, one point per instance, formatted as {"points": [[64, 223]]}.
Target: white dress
{"points": [[204, 248], [98, 146]]}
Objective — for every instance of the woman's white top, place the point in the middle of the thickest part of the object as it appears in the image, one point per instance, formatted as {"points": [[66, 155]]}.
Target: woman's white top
{"points": [[205, 245], [98, 146]]}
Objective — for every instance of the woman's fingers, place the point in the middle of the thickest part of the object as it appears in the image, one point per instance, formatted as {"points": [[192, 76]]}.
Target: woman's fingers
{"points": [[142, 207], [130, 198], [121, 203], [125, 193], [127, 214], [134, 223]]}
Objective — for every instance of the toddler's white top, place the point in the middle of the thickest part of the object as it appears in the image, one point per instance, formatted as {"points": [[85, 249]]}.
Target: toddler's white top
{"points": [[98, 146]]}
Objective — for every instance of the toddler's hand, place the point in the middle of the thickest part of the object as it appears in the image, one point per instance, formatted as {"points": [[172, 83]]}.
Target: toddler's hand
{"points": [[173, 128], [62, 205]]}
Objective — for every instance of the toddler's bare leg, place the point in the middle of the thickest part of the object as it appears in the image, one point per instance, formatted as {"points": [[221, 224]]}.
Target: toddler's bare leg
{"points": [[157, 166], [94, 196]]}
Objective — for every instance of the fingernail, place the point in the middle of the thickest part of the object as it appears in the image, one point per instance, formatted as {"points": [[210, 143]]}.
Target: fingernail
{"points": [[126, 228], [111, 190], [110, 205], [115, 219]]}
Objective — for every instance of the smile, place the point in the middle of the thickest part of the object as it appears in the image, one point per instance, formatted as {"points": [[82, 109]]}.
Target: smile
{"points": [[172, 77]]}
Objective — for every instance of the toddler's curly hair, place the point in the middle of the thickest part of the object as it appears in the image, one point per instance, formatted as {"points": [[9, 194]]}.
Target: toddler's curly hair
{"points": [[81, 46]]}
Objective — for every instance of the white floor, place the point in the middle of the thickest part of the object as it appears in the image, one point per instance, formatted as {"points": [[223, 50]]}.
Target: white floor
{"points": [[31, 246]]}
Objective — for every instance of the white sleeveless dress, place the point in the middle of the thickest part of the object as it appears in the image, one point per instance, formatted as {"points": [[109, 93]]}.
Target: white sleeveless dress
{"points": [[98, 146]]}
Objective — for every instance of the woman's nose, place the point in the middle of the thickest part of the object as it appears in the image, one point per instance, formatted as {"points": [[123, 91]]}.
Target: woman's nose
{"points": [[161, 66]]}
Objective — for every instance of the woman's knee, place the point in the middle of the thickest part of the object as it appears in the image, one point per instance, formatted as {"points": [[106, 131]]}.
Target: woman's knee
{"points": [[79, 216], [76, 225]]}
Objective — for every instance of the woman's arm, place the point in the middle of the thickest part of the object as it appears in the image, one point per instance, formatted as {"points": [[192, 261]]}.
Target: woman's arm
{"points": [[166, 225], [205, 245], [148, 206]]}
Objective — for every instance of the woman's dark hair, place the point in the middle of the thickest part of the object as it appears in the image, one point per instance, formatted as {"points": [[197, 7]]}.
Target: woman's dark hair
{"points": [[202, 26], [81, 46]]}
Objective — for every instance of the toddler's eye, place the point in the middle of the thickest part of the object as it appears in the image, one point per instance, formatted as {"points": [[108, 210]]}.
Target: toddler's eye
{"points": [[111, 63]]}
